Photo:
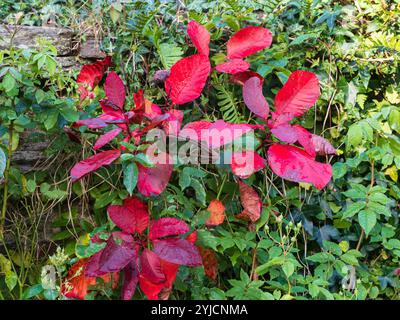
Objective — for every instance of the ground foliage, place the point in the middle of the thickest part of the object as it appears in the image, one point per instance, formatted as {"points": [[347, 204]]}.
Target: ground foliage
{"points": [[340, 242]]}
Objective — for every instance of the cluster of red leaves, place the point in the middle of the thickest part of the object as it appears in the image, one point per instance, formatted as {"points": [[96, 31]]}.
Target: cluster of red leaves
{"points": [[128, 250]]}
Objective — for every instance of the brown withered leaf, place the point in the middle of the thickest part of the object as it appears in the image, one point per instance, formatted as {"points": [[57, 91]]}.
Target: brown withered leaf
{"points": [[251, 203]]}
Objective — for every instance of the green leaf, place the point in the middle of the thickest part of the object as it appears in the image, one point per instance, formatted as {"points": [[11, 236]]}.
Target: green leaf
{"points": [[339, 169], [8, 82], [321, 257], [39, 95], [69, 114], [350, 257], [11, 280], [276, 261], [51, 65], [51, 119], [169, 54], [144, 160], [31, 185], [332, 247], [3, 161], [288, 268], [200, 191], [378, 197], [32, 291], [354, 135], [130, 171], [367, 220], [353, 209]]}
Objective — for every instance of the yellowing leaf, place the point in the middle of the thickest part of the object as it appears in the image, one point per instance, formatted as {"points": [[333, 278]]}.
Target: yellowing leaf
{"points": [[392, 173]]}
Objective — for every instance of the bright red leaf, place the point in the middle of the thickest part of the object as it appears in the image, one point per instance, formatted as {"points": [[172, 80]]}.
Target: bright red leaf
{"points": [[245, 163], [187, 79], [92, 123], [296, 165], [298, 94], [165, 227], [199, 36], [254, 99], [247, 41], [90, 76], [152, 181], [93, 163], [233, 66], [115, 89], [155, 291], [251, 203], [106, 138], [215, 134], [131, 217], [151, 267], [178, 251]]}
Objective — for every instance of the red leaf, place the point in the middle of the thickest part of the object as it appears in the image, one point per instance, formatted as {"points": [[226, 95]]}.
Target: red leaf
{"points": [[173, 124], [166, 227], [210, 263], [217, 213], [93, 163], [199, 36], [151, 267], [250, 201], [119, 251], [76, 284], [93, 123], [153, 291], [254, 99], [150, 289], [152, 181], [322, 146], [247, 41], [146, 107], [192, 237], [214, 134], [296, 165], [178, 251], [91, 74], [111, 109], [131, 217], [131, 278], [233, 66], [304, 138], [115, 89], [242, 77], [298, 94], [245, 163], [285, 133], [187, 79], [106, 138]]}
